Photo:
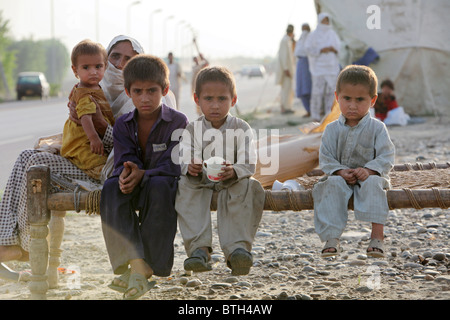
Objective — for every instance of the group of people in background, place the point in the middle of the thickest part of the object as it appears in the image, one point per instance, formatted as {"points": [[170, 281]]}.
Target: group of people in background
{"points": [[312, 63], [308, 69]]}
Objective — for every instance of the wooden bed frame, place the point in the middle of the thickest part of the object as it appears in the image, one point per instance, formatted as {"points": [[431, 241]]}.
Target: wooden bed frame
{"points": [[46, 212]]}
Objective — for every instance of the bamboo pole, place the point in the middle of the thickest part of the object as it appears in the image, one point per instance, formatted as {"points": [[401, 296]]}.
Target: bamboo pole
{"points": [[283, 200], [399, 167]]}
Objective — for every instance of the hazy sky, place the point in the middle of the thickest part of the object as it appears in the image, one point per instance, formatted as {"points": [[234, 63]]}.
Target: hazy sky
{"points": [[224, 27]]}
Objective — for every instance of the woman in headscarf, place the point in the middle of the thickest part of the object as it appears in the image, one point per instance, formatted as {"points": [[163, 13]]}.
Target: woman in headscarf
{"points": [[303, 75], [323, 46], [14, 225]]}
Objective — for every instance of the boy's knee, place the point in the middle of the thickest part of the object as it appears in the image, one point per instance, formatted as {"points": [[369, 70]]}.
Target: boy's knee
{"points": [[160, 184], [110, 184], [373, 180], [335, 181]]}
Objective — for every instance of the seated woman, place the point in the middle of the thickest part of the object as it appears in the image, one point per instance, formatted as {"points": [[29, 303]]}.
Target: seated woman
{"points": [[386, 100], [14, 226]]}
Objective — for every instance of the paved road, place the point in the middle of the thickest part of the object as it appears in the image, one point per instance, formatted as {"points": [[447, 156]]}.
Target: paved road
{"points": [[22, 122]]}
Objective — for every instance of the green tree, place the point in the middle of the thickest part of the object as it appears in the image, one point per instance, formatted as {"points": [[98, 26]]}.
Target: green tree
{"points": [[57, 60], [7, 60], [48, 56]]}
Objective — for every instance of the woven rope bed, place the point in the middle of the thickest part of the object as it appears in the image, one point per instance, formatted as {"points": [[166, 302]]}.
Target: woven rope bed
{"points": [[415, 186], [422, 185]]}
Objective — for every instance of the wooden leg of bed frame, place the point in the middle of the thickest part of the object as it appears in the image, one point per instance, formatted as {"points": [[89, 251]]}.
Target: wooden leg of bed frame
{"points": [[38, 188], [56, 226]]}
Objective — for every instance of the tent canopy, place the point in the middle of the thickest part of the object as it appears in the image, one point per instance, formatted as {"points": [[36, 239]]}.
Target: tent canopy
{"points": [[412, 39]]}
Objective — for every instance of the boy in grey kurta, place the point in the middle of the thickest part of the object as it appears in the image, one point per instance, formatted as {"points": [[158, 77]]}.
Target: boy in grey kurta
{"points": [[356, 154], [240, 200]]}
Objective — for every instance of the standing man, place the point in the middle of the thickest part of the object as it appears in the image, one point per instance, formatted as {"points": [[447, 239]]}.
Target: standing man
{"points": [[285, 70], [175, 75]]}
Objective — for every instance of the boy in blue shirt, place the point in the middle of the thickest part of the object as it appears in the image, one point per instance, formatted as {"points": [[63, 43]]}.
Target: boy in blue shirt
{"points": [[144, 179]]}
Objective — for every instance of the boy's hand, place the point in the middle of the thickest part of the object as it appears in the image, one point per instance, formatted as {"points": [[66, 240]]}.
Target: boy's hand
{"points": [[130, 177], [348, 175], [228, 172], [363, 173], [96, 146], [195, 167]]}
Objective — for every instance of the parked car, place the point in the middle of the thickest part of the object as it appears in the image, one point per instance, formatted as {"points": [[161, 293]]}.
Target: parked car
{"points": [[256, 71], [31, 84]]}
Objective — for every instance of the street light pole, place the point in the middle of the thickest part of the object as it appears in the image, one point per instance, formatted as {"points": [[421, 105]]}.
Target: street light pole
{"points": [[165, 36], [129, 17], [150, 42]]}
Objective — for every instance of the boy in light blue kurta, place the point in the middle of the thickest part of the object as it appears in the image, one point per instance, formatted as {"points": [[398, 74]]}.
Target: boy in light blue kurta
{"points": [[356, 154]]}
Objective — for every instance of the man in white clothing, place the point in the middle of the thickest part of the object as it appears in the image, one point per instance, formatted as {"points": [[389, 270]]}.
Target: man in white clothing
{"points": [[286, 69], [175, 76]]}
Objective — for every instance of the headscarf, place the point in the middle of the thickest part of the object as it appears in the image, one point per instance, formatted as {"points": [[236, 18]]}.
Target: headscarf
{"points": [[136, 45], [113, 83], [300, 50], [323, 36]]}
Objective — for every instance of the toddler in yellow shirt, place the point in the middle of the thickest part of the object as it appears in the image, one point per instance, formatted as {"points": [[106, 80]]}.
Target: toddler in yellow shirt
{"points": [[81, 144]]}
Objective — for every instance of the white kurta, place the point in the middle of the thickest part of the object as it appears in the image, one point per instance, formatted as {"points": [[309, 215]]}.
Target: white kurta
{"points": [[240, 201], [366, 145], [285, 62], [175, 74]]}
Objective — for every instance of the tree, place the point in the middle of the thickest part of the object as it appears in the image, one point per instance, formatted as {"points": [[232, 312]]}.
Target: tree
{"points": [[7, 60]]}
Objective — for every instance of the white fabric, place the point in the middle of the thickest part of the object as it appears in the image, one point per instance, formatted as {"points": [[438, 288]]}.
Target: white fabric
{"points": [[174, 78], [136, 45], [323, 36], [396, 116], [285, 59], [413, 42]]}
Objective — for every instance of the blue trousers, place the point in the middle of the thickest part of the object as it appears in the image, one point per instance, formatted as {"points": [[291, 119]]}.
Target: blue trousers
{"points": [[140, 225]]}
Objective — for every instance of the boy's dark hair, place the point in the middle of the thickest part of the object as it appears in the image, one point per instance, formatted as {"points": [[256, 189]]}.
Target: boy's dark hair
{"points": [[387, 83], [356, 74], [145, 67], [88, 47], [215, 74]]}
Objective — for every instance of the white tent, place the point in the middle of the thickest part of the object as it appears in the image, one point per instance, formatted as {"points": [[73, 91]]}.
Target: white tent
{"points": [[412, 39]]}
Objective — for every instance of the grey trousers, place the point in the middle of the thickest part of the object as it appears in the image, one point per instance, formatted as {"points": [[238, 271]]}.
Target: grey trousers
{"points": [[331, 204], [239, 212]]}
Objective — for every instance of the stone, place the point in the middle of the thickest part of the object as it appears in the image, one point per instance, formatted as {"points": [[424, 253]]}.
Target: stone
{"points": [[193, 283]]}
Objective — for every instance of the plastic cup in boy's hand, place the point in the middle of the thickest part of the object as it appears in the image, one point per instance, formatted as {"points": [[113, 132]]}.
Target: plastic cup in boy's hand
{"points": [[213, 167]]}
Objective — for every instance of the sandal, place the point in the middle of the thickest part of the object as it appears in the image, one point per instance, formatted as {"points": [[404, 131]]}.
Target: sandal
{"points": [[8, 274], [240, 262], [197, 262], [124, 277], [140, 283], [377, 248], [331, 244]]}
